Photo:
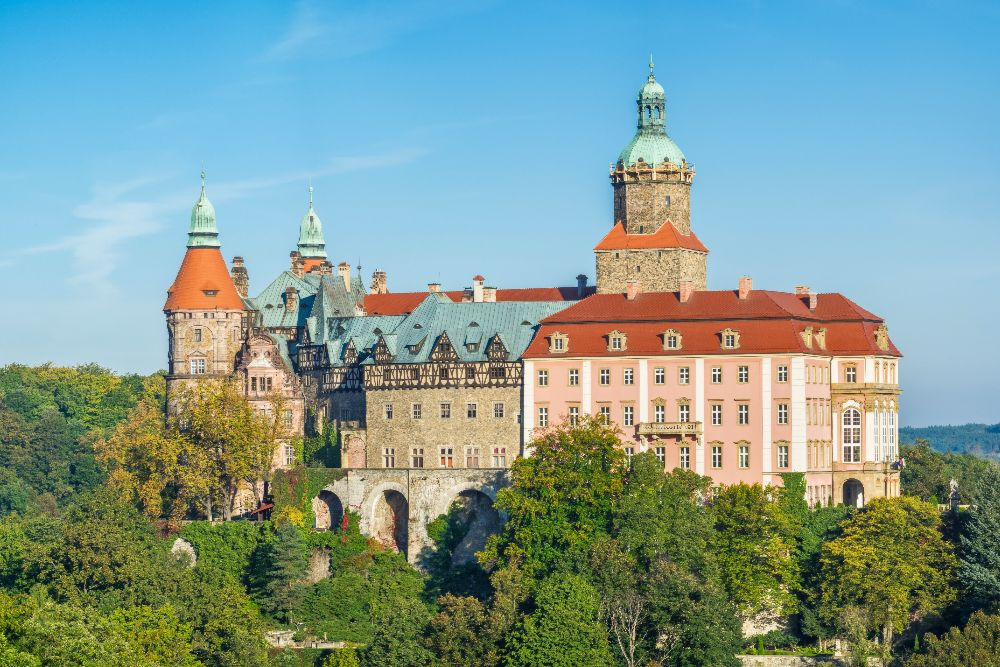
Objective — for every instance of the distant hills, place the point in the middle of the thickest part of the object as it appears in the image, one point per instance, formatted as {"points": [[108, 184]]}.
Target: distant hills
{"points": [[979, 439]]}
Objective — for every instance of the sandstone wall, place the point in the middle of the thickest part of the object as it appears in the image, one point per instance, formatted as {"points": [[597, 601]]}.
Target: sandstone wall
{"points": [[644, 204], [659, 270]]}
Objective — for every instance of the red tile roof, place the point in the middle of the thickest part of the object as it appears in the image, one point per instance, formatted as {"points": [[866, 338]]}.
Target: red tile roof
{"points": [[666, 236], [768, 322], [400, 303], [203, 271]]}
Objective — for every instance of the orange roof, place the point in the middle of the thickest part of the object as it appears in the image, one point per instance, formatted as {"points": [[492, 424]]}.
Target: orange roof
{"points": [[666, 236], [203, 283], [401, 303], [311, 263]]}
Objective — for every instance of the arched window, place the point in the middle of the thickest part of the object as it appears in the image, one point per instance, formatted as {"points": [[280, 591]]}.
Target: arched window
{"points": [[877, 445], [851, 432], [892, 432]]}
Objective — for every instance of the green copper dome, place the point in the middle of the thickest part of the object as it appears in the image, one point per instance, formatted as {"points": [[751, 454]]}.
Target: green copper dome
{"points": [[311, 243], [651, 142], [203, 232]]}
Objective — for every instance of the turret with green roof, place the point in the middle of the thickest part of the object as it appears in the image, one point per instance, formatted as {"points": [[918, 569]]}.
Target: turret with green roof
{"points": [[651, 143], [203, 232], [311, 242]]}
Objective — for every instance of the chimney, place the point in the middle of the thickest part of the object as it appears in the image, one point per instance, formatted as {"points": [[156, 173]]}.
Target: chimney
{"points": [[433, 288], [803, 290], [746, 284], [344, 271], [477, 288], [241, 279], [489, 294], [632, 289], [687, 289], [298, 264], [325, 268], [379, 282], [581, 286], [291, 297]]}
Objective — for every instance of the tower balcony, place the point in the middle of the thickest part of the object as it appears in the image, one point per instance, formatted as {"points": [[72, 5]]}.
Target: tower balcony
{"points": [[670, 428]]}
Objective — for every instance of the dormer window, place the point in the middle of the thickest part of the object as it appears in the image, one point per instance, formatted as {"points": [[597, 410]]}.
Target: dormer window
{"points": [[558, 343], [616, 341], [671, 339], [730, 339], [210, 292]]}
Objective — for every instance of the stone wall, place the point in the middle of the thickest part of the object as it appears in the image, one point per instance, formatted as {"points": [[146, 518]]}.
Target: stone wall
{"points": [[644, 204], [431, 432], [396, 504], [798, 661], [221, 334], [659, 270]]}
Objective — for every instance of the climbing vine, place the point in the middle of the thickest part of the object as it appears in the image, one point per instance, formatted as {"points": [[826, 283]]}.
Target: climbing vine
{"points": [[293, 491]]}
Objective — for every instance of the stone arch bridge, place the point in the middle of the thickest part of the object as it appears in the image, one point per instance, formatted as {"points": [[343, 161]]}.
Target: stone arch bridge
{"points": [[395, 505]]}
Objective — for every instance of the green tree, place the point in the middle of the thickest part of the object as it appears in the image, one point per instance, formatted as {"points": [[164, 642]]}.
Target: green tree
{"points": [[560, 498], [751, 547], [283, 571], [398, 638], [977, 644], [890, 560], [979, 561], [342, 657], [155, 634], [563, 630]]}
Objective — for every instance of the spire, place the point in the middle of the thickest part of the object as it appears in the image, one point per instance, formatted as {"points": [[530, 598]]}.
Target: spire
{"points": [[203, 232], [311, 243]]}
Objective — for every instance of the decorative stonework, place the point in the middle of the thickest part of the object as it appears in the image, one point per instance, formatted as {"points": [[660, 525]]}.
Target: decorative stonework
{"points": [[558, 343], [617, 341], [672, 339], [882, 337], [729, 339]]}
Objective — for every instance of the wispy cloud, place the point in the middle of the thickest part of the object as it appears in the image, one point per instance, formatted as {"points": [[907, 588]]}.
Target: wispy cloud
{"points": [[349, 30], [117, 214]]}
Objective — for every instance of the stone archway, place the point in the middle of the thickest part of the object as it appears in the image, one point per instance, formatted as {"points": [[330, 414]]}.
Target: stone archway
{"points": [[328, 510], [474, 511], [854, 493], [390, 520]]}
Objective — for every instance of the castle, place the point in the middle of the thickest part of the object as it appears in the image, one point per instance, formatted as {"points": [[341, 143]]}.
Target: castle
{"points": [[738, 385]]}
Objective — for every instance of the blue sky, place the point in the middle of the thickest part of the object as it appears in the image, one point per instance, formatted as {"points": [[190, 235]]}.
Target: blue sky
{"points": [[850, 146]]}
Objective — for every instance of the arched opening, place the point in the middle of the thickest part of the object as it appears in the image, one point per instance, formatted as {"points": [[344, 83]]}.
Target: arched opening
{"points": [[472, 516], [328, 510], [390, 520], [854, 493]]}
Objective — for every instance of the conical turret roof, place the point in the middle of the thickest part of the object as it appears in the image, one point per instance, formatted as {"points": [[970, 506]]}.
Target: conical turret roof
{"points": [[311, 242]]}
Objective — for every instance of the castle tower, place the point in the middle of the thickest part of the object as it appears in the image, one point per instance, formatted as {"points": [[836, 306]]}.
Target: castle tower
{"points": [[312, 246], [651, 240], [205, 314]]}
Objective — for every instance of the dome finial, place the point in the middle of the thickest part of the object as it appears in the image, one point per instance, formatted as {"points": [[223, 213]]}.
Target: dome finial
{"points": [[651, 64], [310, 193], [203, 179]]}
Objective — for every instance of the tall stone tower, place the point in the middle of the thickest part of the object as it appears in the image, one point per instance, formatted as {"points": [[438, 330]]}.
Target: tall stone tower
{"points": [[206, 318], [651, 240]]}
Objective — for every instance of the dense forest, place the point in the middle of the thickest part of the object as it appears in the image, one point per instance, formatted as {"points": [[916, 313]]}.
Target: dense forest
{"points": [[982, 440], [603, 560]]}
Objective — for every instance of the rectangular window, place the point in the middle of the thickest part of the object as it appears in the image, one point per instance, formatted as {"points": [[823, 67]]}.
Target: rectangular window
{"points": [[716, 374], [543, 417], [286, 418], [616, 342], [683, 375], [389, 457], [744, 456], [730, 341], [743, 374], [388, 410], [782, 373], [472, 457], [743, 414], [499, 457], [716, 414], [661, 454], [659, 375], [684, 413], [605, 412], [782, 413], [782, 456], [498, 410], [605, 376], [851, 374], [672, 338], [659, 413], [716, 456], [629, 452], [253, 382], [574, 415], [685, 458], [543, 378], [197, 367], [628, 415], [447, 457], [574, 377], [471, 410], [418, 457], [197, 335], [416, 410], [446, 411], [558, 344], [628, 376], [289, 455]]}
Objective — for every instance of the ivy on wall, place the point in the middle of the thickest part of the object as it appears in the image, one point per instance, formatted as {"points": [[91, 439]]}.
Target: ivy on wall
{"points": [[293, 491]]}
